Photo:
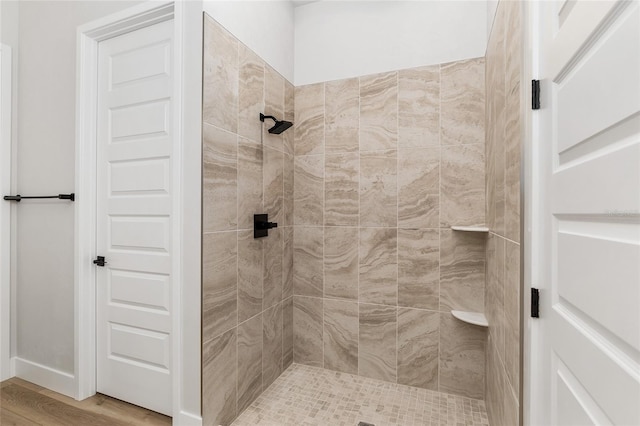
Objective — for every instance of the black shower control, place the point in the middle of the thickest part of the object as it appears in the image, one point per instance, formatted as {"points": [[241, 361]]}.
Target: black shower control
{"points": [[261, 225]]}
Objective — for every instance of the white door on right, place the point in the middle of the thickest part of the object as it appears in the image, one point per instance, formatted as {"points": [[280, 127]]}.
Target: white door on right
{"points": [[586, 369]]}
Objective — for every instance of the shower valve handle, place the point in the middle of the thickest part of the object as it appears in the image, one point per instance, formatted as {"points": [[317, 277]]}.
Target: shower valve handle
{"points": [[266, 225], [261, 225]]}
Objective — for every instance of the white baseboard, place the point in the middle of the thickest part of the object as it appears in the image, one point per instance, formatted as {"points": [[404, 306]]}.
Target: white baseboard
{"points": [[46, 377], [187, 419]]}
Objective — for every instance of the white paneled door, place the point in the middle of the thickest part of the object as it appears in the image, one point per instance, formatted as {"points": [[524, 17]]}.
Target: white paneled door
{"points": [[134, 217], [589, 153]]}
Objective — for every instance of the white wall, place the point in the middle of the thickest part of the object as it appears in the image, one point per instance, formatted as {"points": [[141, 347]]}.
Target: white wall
{"points": [[341, 39], [46, 138], [266, 27]]}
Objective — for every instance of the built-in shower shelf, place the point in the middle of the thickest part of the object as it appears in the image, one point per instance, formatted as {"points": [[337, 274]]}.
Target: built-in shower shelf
{"points": [[470, 228], [475, 318]]}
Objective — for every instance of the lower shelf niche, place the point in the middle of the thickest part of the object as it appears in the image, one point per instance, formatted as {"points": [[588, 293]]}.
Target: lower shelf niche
{"points": [[475, 318]]}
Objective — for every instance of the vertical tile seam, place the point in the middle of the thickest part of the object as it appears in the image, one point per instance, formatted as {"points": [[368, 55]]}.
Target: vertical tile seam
{"points": [[324, 203], [262, 245], [397, 213], [439, 215], [237, 76], [359, 212]]}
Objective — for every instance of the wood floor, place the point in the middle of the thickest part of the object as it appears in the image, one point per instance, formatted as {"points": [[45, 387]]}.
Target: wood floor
{"points": [[23, 403]]}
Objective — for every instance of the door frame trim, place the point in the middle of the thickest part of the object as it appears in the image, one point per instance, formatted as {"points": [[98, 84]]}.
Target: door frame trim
{"points": [[7, 364], [186, 180]]}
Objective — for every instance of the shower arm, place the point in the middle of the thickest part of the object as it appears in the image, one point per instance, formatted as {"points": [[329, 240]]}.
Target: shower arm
{"points": [[263, 117]]}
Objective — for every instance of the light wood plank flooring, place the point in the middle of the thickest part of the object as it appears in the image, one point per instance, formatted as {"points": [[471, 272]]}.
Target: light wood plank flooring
{"points": [[23, 403]]}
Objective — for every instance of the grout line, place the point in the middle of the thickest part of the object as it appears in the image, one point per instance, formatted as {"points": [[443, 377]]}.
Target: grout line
{"points": [[397, 213], [324, 204], [359, 214], [439, 219]]}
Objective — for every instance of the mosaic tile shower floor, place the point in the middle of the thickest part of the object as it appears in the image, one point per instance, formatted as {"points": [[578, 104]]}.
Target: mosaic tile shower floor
{"points": [[308, 396]]}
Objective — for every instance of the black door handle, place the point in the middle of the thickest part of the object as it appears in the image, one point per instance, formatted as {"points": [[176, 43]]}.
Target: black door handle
{"points": [[99, 261]]}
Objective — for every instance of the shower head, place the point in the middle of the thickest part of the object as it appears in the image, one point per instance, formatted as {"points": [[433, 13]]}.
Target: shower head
{"points": [[279, 127]]}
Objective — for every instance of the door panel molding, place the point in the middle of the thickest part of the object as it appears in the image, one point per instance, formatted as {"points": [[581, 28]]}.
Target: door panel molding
{"points": [[584, 215]]}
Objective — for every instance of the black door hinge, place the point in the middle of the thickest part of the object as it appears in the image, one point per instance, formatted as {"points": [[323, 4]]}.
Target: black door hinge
{"points": [[535, 94], [535, 303]]}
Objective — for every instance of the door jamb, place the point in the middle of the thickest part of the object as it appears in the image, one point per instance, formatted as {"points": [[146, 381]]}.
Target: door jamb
{"points": [[531, 168], [187, 68]]}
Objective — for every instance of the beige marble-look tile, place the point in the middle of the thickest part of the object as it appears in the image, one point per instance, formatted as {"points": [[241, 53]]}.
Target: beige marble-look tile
{"points": [[419, 107], [497, 120], [273, 105], [512, 313], [249, 361], [462, 355], [494, 291], [499, 189], [307, 329], [220, 77], [220, 180], [272, 338], [219, 379], [377, 336], [250, 94], [462, 102], [287, 262], [308, 204], [512, 168], [273, 184], [419, 188], [341, 177], [342, 103], [462, 259], [418, 343], [273, 250], [250, 275], [249, 182], [307, 261], [219, 283], [309, 113], [287, 332], [495, 386], [378, 188], [462, 198], [511, 407], [513, 121], [289, 115], [379, 112], [341, 262], [288, 189], [378, 266], [418, 259], [341, 336], [490, 129]]}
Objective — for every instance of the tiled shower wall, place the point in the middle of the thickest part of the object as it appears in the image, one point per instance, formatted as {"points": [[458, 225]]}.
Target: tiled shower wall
{"points": [[247, 320], [384, 165], [502, 297]]}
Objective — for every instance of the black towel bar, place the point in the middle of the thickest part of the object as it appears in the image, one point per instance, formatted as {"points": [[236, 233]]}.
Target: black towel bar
{"points": [[18, 198]]}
